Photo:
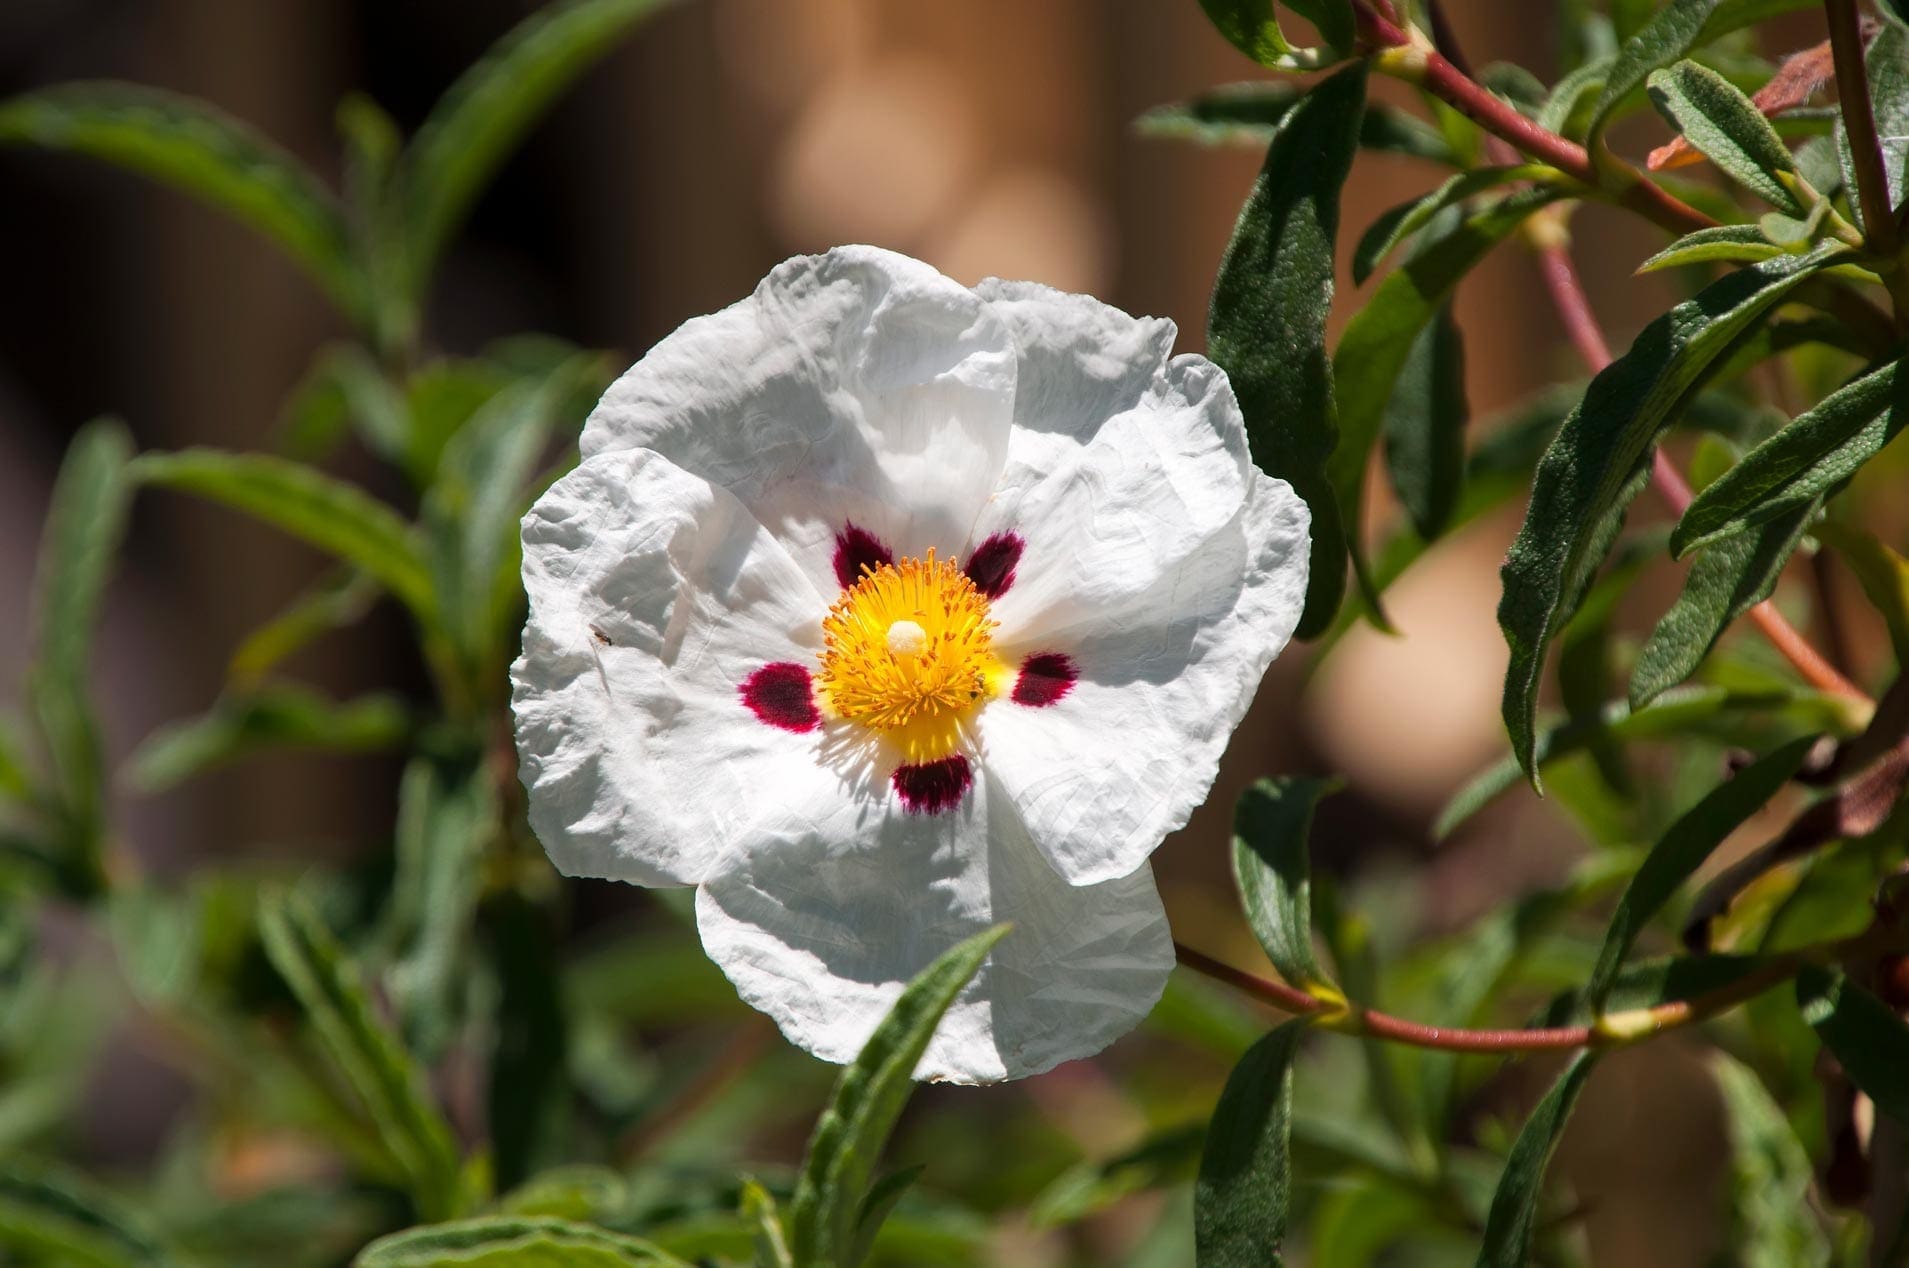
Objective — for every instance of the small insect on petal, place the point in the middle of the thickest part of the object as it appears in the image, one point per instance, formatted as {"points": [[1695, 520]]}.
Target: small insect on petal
{"points": [[781, 695], [991, 566], [1044, 679], [858, 550], [933, 787]]}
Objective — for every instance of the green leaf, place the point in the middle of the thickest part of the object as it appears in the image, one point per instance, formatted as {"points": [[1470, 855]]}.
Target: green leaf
{"points": [[389, 1086], [1648, 983], [1884, 576], [1271, 827], [277, 716], [531, 1093], [1564, 110], [345, 386], [49, 1217], [1165, 1157], [1727, 580], [336, 517], [1800, 464], [1866, 1036], [1887, 62], [203, 152], [1772, 1217], [1734, 244], [335, 602], [1331, 18], [1666, 38], [1730, 131], [1267, 327], [1252, 27], [868, 1098], [1245, 1184], [1425, 428], [1377, 343], [880, 1203], [85, 522], [1398, 224], [481, 118], [1515, 1206], [1679, 711], [1683, 849], [504, 1241], [447, 813], [1601, 459], [772, 1243], [1250, 113]]}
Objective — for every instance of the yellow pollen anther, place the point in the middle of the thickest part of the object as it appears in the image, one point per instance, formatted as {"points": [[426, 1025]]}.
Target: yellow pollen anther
{"points": [[909, 652]]}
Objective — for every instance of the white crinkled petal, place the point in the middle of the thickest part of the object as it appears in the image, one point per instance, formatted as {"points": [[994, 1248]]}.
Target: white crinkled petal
{"points": [[859, 385], [1110, 517], [821, 917], [1100, 776], [653, 595]]}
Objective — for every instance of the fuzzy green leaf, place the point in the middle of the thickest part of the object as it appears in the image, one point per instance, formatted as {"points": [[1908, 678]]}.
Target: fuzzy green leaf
{"points": [[1666, 38], [1250, 113], [1515, 1206], [1729, 130], [1267, 327], [336, 517], [1865, 1035], [1801, 463], [483, 116], [1683, 849], [273, 717], [1425, 428], [1245, 1182], [1600, 460], [1378, 340], [1883, 574], [54, 1218], [84, 525], [510, 1241], [1398, 224], [1271, 831], [868, 1098], [1735, 244], [1727, 580], [203, 152], [389, 1086]]}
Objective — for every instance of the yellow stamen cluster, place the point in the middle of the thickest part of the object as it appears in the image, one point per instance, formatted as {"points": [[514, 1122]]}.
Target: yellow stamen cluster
{"points": [[909, 652]]}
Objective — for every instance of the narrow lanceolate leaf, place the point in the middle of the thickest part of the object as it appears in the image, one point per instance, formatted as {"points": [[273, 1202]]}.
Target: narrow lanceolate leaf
{"points": [[1730, 131], [1773, 1220], [512, 1241], [868, 1099], [328, 513], [1515, 1206], [280, 716], [1565, 110], [388, 1084], [1425, 428], [1883, 574], [199, 150], [1801, 463], [1250, 113], [759, 1209], [1864, 1034], [1250, 26], [1599, 462], [1666, 38], [446, 808], [84, 525], [1735, 244], [1683, 849], [1245, 1183], [333, 603], [1267, 327], [48, 1217], [1378, 340], [883, 1196], [1888, 64], [487, 111], [1728, 579], [1401, 222], [1271, 831]]}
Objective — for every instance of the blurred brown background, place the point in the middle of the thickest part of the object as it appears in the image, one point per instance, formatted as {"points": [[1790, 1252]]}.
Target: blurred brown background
{"points": [[985, 136]]}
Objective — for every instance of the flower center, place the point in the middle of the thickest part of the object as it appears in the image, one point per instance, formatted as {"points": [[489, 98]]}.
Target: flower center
{"points": [[909, 651]]}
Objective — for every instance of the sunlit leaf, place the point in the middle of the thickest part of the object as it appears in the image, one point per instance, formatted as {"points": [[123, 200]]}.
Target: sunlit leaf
{"points": [[1272, 827], [1729, 130], [509, 1241]]}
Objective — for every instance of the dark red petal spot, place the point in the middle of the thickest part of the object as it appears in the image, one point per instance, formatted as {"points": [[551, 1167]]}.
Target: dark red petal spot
{"points": [[856, 548], [1045, 678], [991, 566], [780, 695], [932, 787]]}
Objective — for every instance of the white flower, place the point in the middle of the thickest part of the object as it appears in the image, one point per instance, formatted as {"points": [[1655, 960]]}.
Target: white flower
{"points": [[884, 610]]}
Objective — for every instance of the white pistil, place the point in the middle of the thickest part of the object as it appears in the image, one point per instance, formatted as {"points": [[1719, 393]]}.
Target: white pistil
{"points": [[905, 638]]}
